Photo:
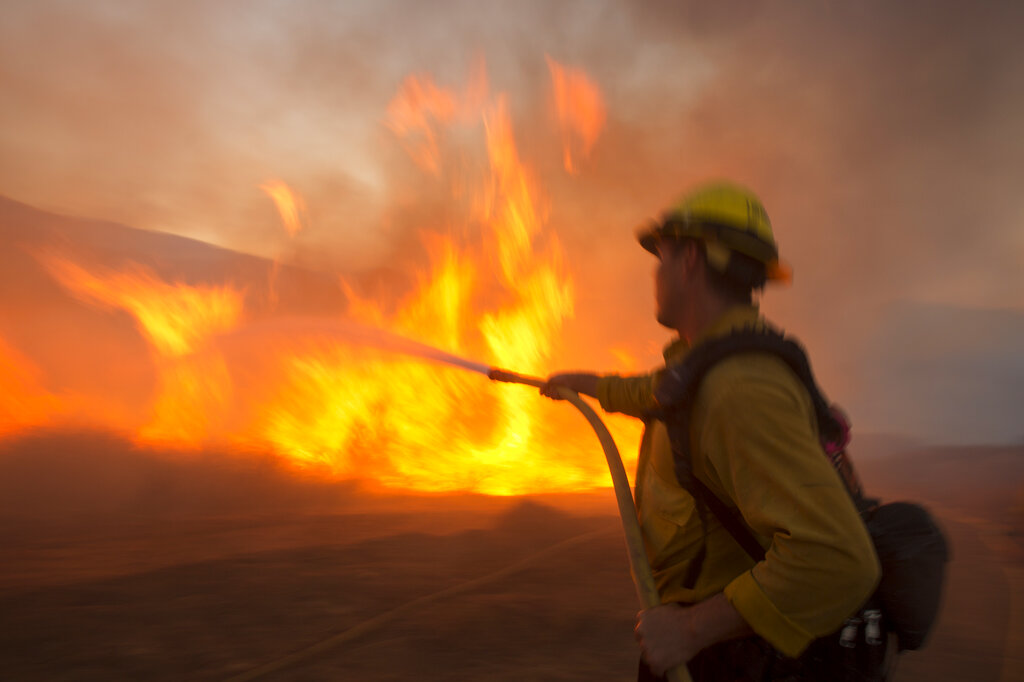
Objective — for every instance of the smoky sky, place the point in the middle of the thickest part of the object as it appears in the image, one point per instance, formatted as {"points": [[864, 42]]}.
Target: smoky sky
{"points": [[886, 139]]}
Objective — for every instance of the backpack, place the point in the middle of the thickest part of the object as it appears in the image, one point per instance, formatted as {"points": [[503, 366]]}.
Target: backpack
{"points": [[911, 548]]}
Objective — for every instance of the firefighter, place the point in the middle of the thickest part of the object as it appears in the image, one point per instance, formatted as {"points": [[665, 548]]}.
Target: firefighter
{"points": [[754, 444]]}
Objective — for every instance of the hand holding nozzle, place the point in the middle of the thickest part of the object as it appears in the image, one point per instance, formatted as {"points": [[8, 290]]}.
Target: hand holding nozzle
{"points": [[577, 382], [552, 386]]}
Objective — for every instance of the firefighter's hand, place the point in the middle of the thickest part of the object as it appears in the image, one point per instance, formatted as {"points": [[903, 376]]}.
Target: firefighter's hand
{"points": [[578, 382], [666, 636]]}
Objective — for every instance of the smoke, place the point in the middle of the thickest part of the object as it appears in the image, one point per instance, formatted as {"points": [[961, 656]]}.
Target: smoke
{"points": [[885, 139]]}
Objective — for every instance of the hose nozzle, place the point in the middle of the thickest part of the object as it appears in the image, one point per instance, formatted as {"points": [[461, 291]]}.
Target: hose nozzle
{"points": [[508, 377]]}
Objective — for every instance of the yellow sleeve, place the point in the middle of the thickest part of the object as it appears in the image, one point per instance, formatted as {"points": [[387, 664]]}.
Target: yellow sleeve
{"points": [[762, 452], [632, 395]]}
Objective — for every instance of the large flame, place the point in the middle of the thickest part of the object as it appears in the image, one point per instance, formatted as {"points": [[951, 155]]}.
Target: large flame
{"points": [[413, 425], [495, 289]]}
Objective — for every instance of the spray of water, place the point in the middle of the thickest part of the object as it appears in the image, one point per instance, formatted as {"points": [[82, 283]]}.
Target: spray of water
{"points": [[351, 333]]}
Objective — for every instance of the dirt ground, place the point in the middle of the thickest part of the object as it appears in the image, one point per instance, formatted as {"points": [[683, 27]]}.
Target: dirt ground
{"points": [[434, 589]]}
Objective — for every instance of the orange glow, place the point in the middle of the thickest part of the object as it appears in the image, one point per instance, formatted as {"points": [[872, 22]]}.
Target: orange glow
{"points": [[580, 107], [502, 300], [414, 425], [494, 290], [23, 402], [420, 106], [292, 210], [26, 403], [624, 359], [411, 114], [176, 319], [290, 205], [194, 394]]}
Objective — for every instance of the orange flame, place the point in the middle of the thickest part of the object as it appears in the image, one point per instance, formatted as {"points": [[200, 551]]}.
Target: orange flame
{"points": [[495, 290], [290, 206], [292, 210], [411, 114], [407, 424], [420, 106], [176, 319], [581, 110]]}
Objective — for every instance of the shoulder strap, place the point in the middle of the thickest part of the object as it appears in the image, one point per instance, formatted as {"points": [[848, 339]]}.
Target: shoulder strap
{"points": [[678, 384], [730, 519]]}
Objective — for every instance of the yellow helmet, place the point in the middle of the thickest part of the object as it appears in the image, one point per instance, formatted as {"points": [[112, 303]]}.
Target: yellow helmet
{"points": [[727, 218]]}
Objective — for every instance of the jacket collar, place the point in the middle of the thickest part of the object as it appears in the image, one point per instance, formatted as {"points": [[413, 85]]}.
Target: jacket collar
{"points": [[735, 317]]}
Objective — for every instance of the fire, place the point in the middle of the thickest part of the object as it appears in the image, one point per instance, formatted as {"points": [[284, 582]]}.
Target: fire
{"points": [[195, 393], [176, 319], [410, 115], [495, 289], [23, 401], [408, 424], [580, 107], [502, 299], [289, 204], [292, 209], [521, 335], [420, 105]]}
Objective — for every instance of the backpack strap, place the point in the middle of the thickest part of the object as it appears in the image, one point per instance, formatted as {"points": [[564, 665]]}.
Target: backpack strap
{"points": [[731, 520], [678, 384]]}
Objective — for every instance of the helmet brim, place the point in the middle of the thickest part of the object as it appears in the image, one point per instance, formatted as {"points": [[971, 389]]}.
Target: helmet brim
{"points": [[648, 238], [775, 270]]}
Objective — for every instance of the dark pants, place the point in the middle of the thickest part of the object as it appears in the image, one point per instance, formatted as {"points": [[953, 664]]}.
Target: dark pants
{"points": [[740, 660], [753, 660]]}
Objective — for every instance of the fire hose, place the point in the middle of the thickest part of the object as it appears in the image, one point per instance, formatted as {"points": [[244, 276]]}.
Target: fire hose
{"points": [[643, 579]]}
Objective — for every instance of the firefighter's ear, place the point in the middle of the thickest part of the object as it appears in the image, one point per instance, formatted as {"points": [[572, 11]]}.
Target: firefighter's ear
{"points": [[692, 258]]}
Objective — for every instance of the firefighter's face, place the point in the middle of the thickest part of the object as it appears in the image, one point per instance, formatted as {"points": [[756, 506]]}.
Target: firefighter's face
{"points": [[671, 279]]}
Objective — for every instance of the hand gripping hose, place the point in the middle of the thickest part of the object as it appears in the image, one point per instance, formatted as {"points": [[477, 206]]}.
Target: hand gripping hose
{"points": [[639, 566]]}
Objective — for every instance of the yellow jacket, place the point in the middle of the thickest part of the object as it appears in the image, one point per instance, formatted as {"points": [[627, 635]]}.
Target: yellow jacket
{"points": [[754, 443]]}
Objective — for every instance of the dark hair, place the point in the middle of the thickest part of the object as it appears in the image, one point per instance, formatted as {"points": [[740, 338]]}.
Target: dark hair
{"points": [[741, 277]]}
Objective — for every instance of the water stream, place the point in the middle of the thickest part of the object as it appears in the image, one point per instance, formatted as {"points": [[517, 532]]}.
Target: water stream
{"points": [[352, 333]]}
